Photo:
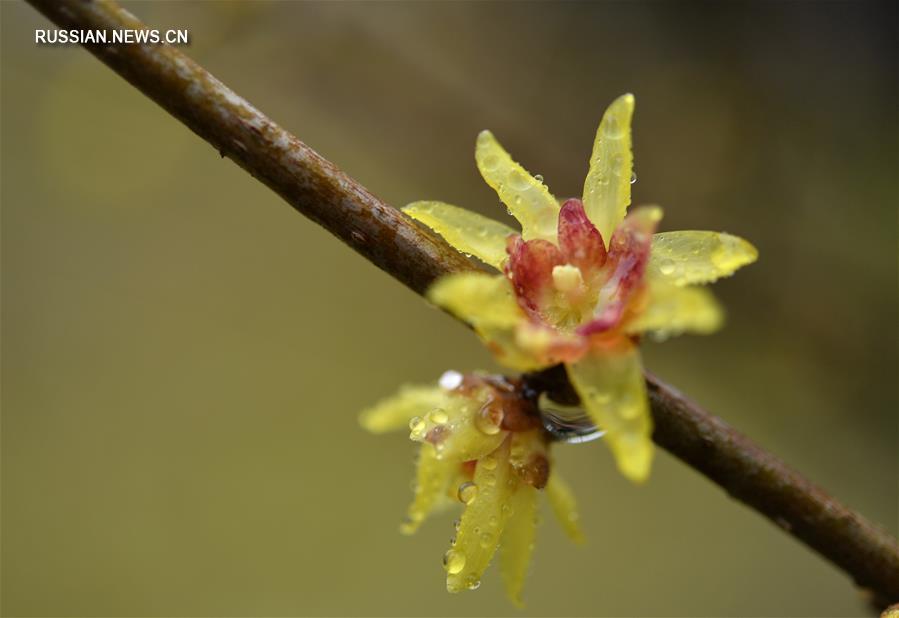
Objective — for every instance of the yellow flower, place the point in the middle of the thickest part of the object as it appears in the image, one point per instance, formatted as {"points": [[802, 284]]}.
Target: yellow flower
{"points": [[483, 445], [583, 280]]}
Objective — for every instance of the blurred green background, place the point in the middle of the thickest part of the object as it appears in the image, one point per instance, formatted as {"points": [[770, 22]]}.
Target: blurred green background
{"points": [[184, 356]]}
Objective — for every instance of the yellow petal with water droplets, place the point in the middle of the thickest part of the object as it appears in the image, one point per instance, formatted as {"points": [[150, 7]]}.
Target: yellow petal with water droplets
{"points": [[687, 257], [431, 479], [395, 412], [467, 231], [607, 188], [518, 540], [610, 383], [564, 506], [477, 298], [454, 430], [671, 310], [527, 198], [482, 522], [488, 304]]}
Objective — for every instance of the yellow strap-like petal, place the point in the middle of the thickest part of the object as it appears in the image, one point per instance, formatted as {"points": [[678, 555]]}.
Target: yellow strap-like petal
{"points": [[687, 257], [612, 389], [607, 188], [518, 540], [564, 506], [431, 479], [527, 198], [454, 431], [671, 310], [488, 304], [395, 412], [465, 230], [482, 521], [477, 298]]}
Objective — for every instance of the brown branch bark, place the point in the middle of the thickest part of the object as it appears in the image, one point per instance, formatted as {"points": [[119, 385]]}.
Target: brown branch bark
{"points": [[320, 191]]}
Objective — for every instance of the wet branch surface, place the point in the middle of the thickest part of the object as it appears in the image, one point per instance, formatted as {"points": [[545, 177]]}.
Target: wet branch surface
{"points": [[416, 257]]}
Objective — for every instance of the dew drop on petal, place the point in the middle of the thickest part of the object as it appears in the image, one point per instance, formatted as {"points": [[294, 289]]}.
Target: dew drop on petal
{"points": [[489, 419], [453, 562], [438, 416], [486, 539], [450, 380], [468, 491], [518, 180], [667, 266]]}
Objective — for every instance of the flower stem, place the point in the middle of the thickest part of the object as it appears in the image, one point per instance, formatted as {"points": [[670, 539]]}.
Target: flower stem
{"points": [[416, 257]]}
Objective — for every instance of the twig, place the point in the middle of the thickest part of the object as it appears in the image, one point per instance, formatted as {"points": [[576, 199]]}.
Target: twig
{"points": [[317, 189]]}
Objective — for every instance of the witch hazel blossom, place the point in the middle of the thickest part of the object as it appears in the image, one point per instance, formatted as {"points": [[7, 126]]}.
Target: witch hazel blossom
{"points": [[482, 446], [583, 280]]}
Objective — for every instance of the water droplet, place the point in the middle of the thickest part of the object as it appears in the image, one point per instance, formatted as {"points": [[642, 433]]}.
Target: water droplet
{"points": [[518, 180], [450, 380], [488, 462], [438, 416], [486, 540], [633, 177], [472, 583], [538, 177], [416, 424], [468, 491], [488, 419], [667, 266], [453, 562], [456, 523], [491, 162]]}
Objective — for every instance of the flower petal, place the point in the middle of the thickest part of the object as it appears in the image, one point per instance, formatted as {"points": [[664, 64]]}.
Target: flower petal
{"points": [[629, 251], [580, 241], [395, 412], [518, 540], [671, 310], [530, 268], [687, 257], [607, 189], [482, 521], [527, 198], [564, 506], [610, 383], [431, 479], [454, 430], [465, 230], [480, 299], [488, 304]]}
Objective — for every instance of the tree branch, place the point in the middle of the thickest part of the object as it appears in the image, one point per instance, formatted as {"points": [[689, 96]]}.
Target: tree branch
{"points": [[415, 256]]}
